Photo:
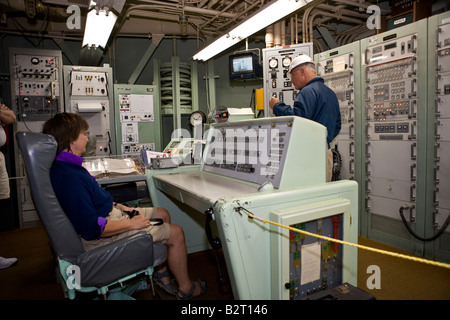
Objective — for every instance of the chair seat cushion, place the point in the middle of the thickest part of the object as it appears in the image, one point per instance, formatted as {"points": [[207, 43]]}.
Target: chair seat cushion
{"points": [[106, 264]]}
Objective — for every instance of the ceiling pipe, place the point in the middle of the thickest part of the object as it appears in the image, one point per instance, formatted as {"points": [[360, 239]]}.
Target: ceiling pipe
{"points": [[239, 15], [361, 5], [219, 14], [202, 3], [340, 39], [277, 34], [353, 35], [304, 24], [212, 3], [161, 6], [328, 14], [317, 43], [269, 36], [341, 9], [283, 32], [292, 26]]}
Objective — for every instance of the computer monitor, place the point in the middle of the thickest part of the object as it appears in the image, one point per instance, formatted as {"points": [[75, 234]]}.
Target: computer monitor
{"points": [[244, 66]]}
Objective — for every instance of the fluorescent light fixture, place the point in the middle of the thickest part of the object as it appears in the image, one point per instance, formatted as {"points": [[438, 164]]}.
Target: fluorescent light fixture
{"points": [[99, 25], [264, 18]]}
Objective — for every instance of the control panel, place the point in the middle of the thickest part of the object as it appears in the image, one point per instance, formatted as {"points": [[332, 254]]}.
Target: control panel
{"points": [[36, 96], [256, 154], [277, 80], [257, 151], [137, 111], [392, 90], [392, 122], [88, 92], [36, 89], [441, 189], [89, 84], [338, 69]]}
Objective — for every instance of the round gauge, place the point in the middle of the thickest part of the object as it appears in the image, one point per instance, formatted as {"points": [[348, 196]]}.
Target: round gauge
{"points": [[287, 61], [34, 60], [273, 63], [197, 116]]}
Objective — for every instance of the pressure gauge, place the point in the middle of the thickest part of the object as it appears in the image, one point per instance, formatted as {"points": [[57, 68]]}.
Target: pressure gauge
{"points": [[197, 116], [34, 60], [287, 61], [273, 63]]}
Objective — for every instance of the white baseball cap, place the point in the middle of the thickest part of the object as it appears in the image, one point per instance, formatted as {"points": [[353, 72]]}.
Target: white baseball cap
{"points": [[301, 59]]}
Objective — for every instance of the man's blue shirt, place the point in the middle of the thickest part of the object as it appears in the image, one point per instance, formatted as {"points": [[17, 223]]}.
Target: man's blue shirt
{"points": [[317, 102]]}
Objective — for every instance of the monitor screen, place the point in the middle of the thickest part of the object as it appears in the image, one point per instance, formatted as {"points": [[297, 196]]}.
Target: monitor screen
{"points": [[243, 64]]}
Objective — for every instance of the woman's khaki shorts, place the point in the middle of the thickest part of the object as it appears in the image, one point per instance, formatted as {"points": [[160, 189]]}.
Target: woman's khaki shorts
{"points": [[160, 233]]}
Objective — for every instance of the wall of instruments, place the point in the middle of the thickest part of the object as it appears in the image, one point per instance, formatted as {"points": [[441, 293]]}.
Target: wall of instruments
{"points": [[393, 91], [36, 95]]}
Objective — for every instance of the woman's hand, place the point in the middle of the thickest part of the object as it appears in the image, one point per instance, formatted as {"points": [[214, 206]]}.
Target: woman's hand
{"points": [[121, 207], [139, 222]]}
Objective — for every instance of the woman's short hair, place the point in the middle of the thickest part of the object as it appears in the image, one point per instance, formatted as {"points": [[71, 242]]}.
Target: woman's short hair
{"points": [[65, 128]]}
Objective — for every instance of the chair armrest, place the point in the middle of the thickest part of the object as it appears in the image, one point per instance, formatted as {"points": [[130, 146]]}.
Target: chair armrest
{"points": [[106, 264]]}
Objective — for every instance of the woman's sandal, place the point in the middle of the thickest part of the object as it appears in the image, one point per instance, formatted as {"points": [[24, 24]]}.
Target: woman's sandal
{"points": [[185, 296], [170, 288]]}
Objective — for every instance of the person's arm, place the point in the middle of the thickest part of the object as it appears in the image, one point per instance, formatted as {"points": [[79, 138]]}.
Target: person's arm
{"points": [[7, 116], [282, 109], [305, 103]]}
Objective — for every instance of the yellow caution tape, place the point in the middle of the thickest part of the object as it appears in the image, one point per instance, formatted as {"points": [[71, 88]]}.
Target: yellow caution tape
{"points": [[389, 253]]}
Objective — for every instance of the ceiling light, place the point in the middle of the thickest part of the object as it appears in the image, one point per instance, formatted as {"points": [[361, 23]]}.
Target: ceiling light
{"points": [[265, 17], [99, 24]]}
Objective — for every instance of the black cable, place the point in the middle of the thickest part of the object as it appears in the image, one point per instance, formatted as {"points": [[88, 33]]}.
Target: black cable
{"points": [[337, 164], [214, 242], [437, 235], [253, 101]]}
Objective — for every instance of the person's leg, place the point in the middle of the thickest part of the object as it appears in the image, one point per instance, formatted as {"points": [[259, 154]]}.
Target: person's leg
{"points": [[329, 165], [177, 260], [4, 179], [162, 276], [176, 254]]}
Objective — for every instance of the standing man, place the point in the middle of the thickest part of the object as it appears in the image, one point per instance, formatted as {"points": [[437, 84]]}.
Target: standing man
{"points": [[314, 101], [7, 116]]}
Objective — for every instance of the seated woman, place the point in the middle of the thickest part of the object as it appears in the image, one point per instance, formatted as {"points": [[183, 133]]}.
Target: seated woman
{"points": [[99, 220]]}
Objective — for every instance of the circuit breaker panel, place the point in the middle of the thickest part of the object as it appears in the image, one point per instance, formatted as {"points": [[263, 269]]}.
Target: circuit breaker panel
{"points": [[395, 129], [89, 92], [138, 122], [340, 70], [37, 95], [276, 77]]}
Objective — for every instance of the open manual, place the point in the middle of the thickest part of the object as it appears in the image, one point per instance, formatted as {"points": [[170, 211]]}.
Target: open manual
{"points": [[114, 166]]}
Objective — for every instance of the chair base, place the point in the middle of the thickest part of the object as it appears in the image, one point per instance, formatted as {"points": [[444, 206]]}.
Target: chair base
{"points": [[69, 279]]}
